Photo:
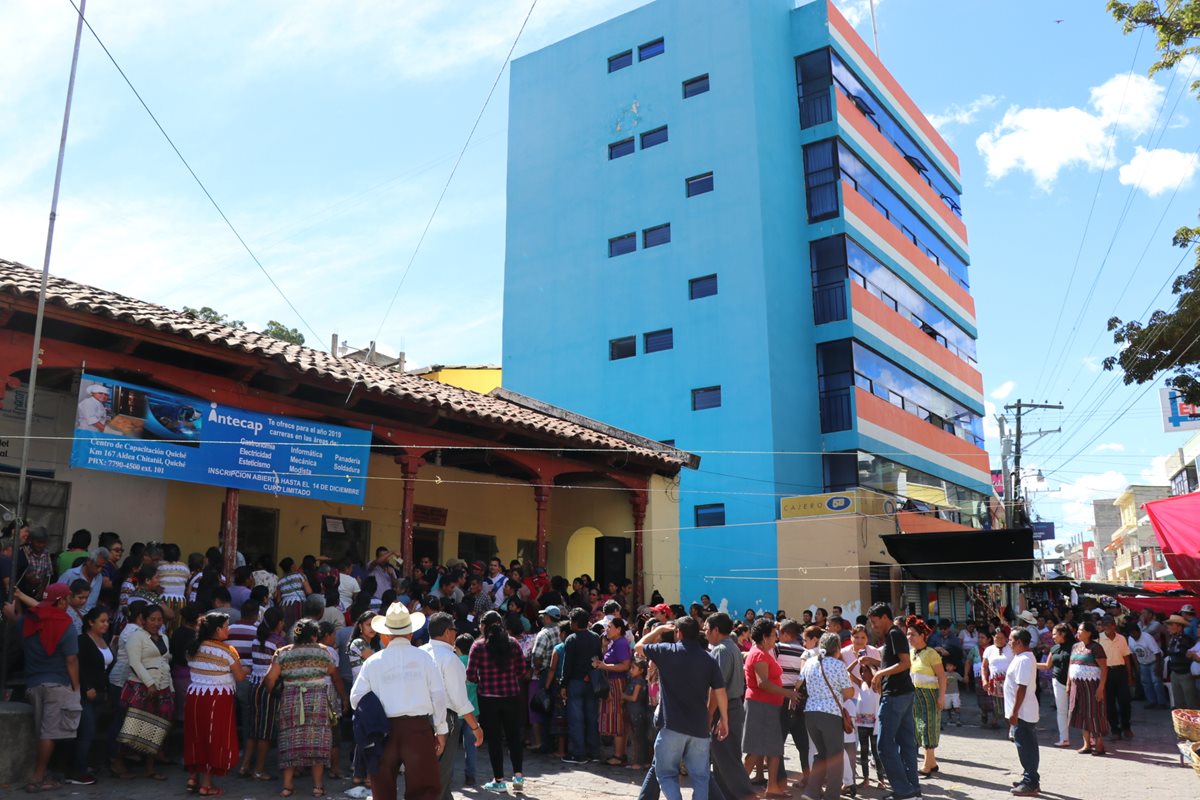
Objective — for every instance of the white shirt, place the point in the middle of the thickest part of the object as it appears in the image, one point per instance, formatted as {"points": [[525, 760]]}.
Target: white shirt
{"points": [[454, 676], [968, 640], [347, 588], [1145, 648], [407, 682], [495, 587], [90, 413], [1022, 671]]}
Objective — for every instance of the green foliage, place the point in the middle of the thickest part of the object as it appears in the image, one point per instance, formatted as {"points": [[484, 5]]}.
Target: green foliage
{"points": [[1169, 341], [281, 331], [274, 328]]}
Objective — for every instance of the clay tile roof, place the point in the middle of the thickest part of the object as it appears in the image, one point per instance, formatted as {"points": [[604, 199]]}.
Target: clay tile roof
{"points": [[22, 281]]}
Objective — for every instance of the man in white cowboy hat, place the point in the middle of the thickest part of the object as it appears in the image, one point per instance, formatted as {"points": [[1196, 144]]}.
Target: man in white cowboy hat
{"points": [[91, 413], [1179, 663], [409, 685]]}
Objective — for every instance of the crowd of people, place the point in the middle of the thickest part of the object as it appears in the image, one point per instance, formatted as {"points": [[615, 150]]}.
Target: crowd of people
{"points": [[345, 669]]}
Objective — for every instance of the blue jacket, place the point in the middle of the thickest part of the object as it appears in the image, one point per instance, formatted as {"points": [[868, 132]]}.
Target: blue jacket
{"points": [[371, 730]]}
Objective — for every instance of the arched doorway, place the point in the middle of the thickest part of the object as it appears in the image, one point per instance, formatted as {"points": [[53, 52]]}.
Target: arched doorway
{"points": [[581, 552]]}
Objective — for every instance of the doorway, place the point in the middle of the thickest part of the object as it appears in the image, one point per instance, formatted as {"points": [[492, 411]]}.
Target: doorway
{"points": [[258, 531], [427, 543]]}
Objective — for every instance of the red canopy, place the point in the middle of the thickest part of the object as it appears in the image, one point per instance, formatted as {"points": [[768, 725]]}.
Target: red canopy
{"points": [[1159, 605], [1176, 522], [1161, 586]]}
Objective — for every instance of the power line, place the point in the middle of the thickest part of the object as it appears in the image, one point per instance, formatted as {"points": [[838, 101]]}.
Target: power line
{"points": [[192, 172], [453, 170]]}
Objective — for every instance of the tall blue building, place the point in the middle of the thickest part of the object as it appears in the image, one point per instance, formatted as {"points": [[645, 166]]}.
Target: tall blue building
{"points": [[731, 230]]}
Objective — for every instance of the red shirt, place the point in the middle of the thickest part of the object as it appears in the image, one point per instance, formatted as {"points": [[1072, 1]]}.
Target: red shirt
{"points": [[774, 675]]}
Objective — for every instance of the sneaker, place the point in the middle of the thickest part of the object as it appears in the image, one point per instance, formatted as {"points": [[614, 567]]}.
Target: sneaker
{"points": [[495, 786], [1024, 790], [84, 779], [518, 782], [574, 760]]}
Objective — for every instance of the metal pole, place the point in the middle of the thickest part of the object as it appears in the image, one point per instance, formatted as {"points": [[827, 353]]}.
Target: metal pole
{"points": [[874, 29], [35, 357]]}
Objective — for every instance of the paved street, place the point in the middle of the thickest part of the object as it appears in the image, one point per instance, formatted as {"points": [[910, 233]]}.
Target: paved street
{"points": [[975, 763]]}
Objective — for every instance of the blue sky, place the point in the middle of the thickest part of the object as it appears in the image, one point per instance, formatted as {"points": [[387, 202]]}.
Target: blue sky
{"points": [[327, 130]]}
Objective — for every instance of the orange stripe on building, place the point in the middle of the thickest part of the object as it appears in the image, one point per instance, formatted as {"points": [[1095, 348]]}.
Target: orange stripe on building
{"points": [[886, 151], [874, 309], [916, 522], [879, 411], [865, 55], [858, 205]]}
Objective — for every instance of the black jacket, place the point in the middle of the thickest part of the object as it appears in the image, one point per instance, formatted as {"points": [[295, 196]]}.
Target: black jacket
{"points": [[92, 672], [371, 731]]}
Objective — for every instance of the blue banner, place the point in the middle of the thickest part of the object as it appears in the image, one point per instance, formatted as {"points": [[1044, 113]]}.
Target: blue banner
{"points": [[1043, 531], [121, 427]]}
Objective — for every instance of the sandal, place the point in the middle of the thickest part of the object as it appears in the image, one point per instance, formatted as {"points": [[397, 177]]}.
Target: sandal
{"points": [[318, 791], [263, 776], [192, 786], [287, 791], [615, 761], [211, 791]]}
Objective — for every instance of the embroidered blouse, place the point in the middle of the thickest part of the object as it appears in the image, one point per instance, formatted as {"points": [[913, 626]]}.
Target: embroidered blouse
{"points": [[1085, 662], [173, 579], [212, 669]]}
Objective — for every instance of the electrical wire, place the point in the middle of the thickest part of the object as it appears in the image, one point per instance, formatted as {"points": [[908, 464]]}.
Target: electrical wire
{"points": [[195, 177], [453, 170]]}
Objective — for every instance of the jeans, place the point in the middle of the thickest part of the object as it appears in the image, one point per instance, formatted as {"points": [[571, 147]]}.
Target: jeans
{"points": [[1062, 705], [1156, 691], [449, 755], [1183, 690], [470, 752], [85, 737], [1025, 738], [868, 750], [583, 725], [651, 791], [118, 710], [671, 748], [1116, 697], [898, 743]]}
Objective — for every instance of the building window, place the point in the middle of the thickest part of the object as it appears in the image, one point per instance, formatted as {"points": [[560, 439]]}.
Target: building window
{"points": [[702, 287], [708, 397], [821, 180], [814, 76], [620, 61], [621, 148], [659, 234], [625, 347], [655, 341], [695, 86], [651, 49], [656, 136], [476, 547], [701, 184], [620, 245], [710, 516]]}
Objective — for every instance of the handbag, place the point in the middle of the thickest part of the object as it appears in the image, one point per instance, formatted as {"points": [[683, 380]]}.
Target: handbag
{"points": [[541, 703], [847, 723], [600, 684]]}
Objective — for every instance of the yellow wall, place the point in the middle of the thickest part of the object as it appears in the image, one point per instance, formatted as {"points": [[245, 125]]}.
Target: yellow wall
{"points": [[477, 379], [661, 541], [808, 545]]}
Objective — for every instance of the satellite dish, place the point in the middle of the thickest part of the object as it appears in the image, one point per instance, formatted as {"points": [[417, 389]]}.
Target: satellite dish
{"points": [[1060, 548]]}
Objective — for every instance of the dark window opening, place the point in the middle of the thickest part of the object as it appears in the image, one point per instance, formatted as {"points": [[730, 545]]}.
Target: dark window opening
{"points": [[821, 180], [708, 397], [620, 61], [656, 341], [695, 86], [625, 347], [710, 516], [654, 137], [620, 245], [651, 49], [621, 148], [659, 234], [701, 184], [702, 287]]}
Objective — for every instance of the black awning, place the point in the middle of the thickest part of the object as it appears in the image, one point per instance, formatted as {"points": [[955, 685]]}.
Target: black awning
{"points": [[980, 556]]}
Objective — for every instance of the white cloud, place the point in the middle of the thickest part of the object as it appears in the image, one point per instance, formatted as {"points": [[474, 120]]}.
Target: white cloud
{"points": [[1003, 390], [857, 12], [1091, 363], [1156, 473], [1110, 447], [1044, 141], [1156, 171], [962, 115], [991, 428], [1077, 496]]}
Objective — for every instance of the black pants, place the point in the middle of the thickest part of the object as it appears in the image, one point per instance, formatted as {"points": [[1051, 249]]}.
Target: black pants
{"points": [[726, 755], [792, 724], [868, 741], [1116, 697], [503, 715]]}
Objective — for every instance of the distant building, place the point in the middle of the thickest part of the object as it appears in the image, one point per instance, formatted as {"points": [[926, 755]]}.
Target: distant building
{"points": [[1181, 466], [1136, 555], [731, 229], [480, 378]]}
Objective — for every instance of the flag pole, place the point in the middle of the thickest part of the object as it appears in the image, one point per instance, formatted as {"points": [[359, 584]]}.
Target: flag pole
{"points": [[36, 356]]}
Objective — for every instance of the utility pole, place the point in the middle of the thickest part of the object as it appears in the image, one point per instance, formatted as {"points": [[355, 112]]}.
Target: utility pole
{"points": [[1006, 474], [1020, 407]]}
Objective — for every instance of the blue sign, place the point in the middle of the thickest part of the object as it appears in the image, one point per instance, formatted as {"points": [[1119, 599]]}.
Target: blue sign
{"points": [[839, 502], [133, 430], [1042, 531]]}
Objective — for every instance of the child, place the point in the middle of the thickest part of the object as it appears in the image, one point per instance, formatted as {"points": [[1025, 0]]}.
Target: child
{"points": [[329, 640], [81, 590], [463, 645], [953, 696], [637, 709], [864, 723]]}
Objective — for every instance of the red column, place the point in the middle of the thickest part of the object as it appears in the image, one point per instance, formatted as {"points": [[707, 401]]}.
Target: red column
{"points": [[638, 499], [409, 467], [541, 496], [229, 532]]}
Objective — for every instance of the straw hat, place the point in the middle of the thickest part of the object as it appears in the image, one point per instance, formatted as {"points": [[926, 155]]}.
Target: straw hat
{"points": [[397, 621], [1175, 619], [1027, 617]]}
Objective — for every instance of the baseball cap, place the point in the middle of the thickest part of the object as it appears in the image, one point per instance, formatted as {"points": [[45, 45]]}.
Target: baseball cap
{"points": [[97, 388], [661, 608], [56, 592], [554, 612], [1187, 609]]}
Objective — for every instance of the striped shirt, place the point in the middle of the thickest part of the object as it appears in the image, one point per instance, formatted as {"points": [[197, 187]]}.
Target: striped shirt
{"points": [[212, 669], [291, 588], [242, 637], [791, 658], [261, 654], [173, 579]]}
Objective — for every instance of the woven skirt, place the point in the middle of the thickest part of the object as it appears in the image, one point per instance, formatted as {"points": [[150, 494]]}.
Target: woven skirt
{"points": [[1087, 713], [927, 716], [762, 734], [612, 716], [210, 738], [266, 710], [148, 719], [305, 735]]}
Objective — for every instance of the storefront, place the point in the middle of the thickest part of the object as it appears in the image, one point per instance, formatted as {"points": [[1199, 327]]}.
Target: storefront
{"points": [[443, 471]]}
